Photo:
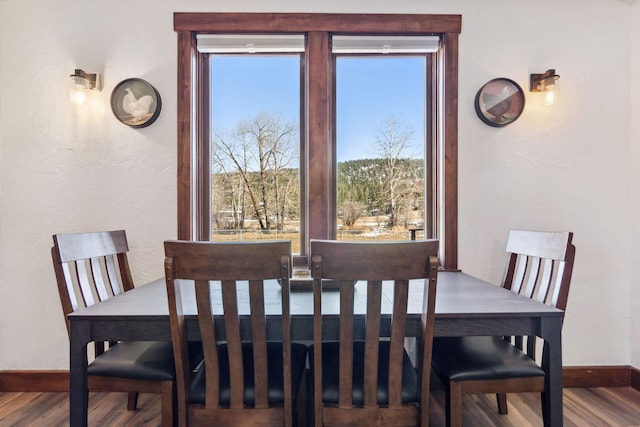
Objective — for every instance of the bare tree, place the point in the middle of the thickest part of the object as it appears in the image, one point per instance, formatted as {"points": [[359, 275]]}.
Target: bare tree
{"points": [[230, 163], [393, 142], [259, 152], [351, 211], [276, 145]]}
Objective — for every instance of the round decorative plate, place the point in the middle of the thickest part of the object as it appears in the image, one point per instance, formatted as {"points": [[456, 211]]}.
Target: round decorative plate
{"points": [[135, 103], [499, 102]]}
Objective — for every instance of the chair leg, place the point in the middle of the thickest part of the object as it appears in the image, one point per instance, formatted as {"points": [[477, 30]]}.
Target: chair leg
{"points": [[454, 404], [501, 398], [132, 401], [167, 402], [300, 405]]}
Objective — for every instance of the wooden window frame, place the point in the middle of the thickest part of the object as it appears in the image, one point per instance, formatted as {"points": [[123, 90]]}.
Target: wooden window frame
{"points": [[318, 182]]}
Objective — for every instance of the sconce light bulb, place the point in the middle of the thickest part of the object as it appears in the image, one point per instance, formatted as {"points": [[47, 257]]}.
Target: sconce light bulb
{"points": [[549, 96], [550, 92], [78, 96]]}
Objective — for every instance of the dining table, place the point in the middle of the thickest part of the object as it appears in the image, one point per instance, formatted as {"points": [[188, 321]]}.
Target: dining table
{"points": [[465, 305]]}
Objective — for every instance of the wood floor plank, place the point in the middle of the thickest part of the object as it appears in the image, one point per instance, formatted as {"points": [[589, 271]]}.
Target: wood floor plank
{"points": [[591, 407], [11, 402], [603, 407]]}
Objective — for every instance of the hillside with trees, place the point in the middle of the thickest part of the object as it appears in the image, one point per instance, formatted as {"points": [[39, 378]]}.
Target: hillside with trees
{"points": [[255, 181], [363, 190]]}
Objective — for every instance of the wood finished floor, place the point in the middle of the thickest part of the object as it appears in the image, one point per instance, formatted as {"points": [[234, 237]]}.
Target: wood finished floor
{"points": [[598, 407]]}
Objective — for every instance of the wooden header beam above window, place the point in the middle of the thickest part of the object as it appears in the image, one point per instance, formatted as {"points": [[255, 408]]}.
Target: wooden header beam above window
{"points": [[306, 22]]}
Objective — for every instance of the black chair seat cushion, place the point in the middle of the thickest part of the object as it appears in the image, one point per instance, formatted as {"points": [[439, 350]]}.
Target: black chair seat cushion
{"points": [[480, 358], [331, 374], [141, 360], [274, 358]]}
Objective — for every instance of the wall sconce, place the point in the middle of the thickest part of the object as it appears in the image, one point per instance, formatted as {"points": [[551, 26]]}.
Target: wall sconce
{"points": [[81, 83], [547, 83]]}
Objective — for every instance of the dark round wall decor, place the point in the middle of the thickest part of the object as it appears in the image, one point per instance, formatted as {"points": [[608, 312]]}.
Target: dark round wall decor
{"points": [[499, 102], [135, 103]]}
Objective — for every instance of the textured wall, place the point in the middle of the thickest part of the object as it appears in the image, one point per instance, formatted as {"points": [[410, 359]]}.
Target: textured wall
{"points": [[567, 167], [634, 93]]}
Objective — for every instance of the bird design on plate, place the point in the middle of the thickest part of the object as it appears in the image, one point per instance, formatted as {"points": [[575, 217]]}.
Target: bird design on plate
{"points": [[137, 108], [499, 105]]}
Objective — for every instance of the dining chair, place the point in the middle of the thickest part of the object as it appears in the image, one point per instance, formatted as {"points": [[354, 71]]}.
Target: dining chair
{"points": [[365, 379], [248, 378], [93, 267], [539, 267]]}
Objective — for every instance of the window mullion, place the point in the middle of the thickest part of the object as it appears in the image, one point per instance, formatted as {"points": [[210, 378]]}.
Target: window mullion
{"points": [[320, 206]]}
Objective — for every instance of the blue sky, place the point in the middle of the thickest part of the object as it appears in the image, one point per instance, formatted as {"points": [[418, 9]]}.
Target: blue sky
{"points": [[369, 90]]}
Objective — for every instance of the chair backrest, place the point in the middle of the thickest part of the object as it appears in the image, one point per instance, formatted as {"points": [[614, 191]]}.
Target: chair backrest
{"points": [[540, 264], [90, 267], [208, 265], [539, 267], [373, 263]]}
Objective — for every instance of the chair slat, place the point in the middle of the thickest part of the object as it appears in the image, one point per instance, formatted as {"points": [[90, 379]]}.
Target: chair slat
{"points": [[234, 342], [98, 278], [112, 275], [519, 274], [557, 286], [509, 272], [546, 278], [533, 277], [396, 352], [259, 338], [346, 343], [208, 334], [71, 293], [86, 289], [372, 343], [125, 271]]}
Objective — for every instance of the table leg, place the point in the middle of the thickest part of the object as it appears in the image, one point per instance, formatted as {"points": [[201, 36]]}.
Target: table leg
{"points": [[79, 336], [551, 332]]}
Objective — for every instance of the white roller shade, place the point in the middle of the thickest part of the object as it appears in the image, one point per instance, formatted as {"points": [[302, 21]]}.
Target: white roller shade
{"points": [[385, 44], [250, 43]]}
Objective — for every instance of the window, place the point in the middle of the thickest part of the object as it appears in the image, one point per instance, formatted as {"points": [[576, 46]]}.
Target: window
{"points": [[255, 140], [254, 103], [381, 93], [318, 166], [254, 127]]}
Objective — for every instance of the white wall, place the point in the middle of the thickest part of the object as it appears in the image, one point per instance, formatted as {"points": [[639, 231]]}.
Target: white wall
{"points": [[568, 167], [634, 94]]}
